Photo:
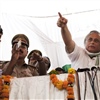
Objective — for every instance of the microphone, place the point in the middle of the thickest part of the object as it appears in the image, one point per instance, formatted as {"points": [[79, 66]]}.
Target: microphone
{"points": [[83, 69], [93, 68]]}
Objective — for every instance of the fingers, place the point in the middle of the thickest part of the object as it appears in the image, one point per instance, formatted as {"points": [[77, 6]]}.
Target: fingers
{"points": [[61, 21], [59, 24], [59, 14], [14, 47]]}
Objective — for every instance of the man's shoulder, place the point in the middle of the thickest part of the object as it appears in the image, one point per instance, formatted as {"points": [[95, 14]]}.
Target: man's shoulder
{"points": [[29, 66], [3, 62], [33, 69]]}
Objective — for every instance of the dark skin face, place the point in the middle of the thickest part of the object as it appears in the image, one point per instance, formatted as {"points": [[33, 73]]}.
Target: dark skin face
{"points": [[22, 50], [0, 36], [92, 43]]}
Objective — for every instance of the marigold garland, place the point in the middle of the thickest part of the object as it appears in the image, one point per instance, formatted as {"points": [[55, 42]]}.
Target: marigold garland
{"points": [[4, 87], [66, 84]]}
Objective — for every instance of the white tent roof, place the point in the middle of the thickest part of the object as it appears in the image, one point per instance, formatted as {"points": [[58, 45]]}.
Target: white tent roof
{"points": [[37, 19], [47, 7]]}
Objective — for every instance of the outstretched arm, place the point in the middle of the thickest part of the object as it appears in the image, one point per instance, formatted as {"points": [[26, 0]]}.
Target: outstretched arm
{"points": [[66, 35]]}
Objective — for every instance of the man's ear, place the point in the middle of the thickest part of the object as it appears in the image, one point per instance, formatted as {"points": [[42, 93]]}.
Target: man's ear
{"points": [[27, 51]]}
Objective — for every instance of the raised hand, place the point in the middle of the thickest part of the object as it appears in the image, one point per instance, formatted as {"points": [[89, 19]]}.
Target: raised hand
{"points": [[37, 56], [61, 21], [15, 54]]}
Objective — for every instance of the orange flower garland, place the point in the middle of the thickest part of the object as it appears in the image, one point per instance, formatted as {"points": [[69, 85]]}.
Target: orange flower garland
{"points": [[4, 87], [66, 84]]}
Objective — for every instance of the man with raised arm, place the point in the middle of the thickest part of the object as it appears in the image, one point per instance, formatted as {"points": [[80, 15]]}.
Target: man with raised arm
{"points": [[80, 57]]}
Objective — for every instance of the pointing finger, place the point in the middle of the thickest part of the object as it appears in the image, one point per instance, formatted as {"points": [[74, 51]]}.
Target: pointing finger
{"points": [[59, 14]]}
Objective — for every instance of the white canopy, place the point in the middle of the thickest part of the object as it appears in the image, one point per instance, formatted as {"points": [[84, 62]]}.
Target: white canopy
{"points": [[37, 19]]}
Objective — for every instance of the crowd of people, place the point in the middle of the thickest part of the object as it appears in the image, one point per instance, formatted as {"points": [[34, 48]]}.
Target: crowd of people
{"points": [[39, 64]]}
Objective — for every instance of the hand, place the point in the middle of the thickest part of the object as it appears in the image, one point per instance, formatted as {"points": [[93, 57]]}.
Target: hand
{"points": [[15, 54], [32, 62], [61, 21], [37, 57]]}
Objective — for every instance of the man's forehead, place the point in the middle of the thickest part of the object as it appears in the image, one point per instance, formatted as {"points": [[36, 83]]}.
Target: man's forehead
{"points": [[18, 39], [93, 34]]}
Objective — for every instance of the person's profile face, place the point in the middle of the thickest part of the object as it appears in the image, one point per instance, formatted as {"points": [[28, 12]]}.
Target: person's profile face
{"points": [[92, 43], [0, 36]]}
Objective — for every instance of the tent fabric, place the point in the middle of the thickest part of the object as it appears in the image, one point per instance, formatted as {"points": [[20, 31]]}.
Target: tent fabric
{"points": [[44, 35], [50, 46], [42, 31]]}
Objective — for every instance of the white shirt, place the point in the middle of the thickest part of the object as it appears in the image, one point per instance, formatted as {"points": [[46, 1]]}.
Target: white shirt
{"points": [[80, 59]]}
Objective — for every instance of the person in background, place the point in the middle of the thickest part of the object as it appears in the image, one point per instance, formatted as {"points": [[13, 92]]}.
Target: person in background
{"points": [[1, 33], [47, 62], [66, 67], [80, 57], [16, 66], [36, 59], [59, 70]]}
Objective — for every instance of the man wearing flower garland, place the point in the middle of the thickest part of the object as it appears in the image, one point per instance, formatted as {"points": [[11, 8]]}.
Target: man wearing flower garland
{"points": [[16, 66], [81, 58]]}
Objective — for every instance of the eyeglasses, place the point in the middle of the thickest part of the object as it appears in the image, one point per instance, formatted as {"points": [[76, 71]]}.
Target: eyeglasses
{"points": [[23, 45], [95, 40]]}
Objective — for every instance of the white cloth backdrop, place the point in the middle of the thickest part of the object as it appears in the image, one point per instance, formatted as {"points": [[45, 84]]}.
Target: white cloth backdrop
{"points": [[44, 34], [38, 39], [41, 88], [38, 88]]}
